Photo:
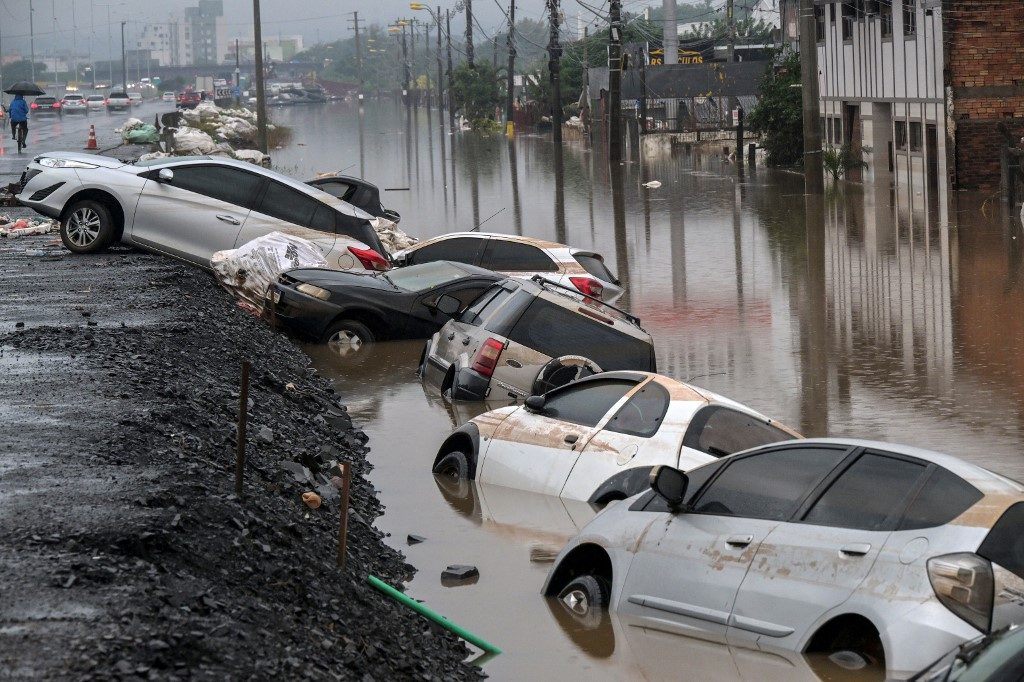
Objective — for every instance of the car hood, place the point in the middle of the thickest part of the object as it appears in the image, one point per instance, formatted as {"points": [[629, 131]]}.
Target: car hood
{"points": [[340, 278], [94, 159]]}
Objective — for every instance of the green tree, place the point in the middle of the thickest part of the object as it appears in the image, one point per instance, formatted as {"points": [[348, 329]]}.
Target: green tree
{"points": [[474, 91], [778, 114], [22, 71]]}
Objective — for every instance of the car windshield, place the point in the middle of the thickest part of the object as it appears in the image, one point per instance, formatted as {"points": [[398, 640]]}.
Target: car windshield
{"points": [[45, 100], [73, 97], [95, 98], [426, 276]]}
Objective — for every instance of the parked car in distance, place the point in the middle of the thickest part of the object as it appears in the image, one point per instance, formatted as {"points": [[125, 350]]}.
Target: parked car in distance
{"points": [[135, 98], [189, 99], [356, 191], [882, 554], [168, 97], [74, 104], [525, 337], [95, 102], [520, 257], [998, 657], [118, 101], [46, 104], [597, 439], [348, 311], [191, 207]]}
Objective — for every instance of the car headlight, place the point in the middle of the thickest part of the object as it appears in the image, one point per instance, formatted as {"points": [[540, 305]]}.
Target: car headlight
{"points": [[314, 291], [50, 162]]}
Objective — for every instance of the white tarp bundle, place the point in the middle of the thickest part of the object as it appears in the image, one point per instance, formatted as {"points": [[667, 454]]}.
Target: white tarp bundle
{"points": [[391, 235], [250, 269], [192, 142]]}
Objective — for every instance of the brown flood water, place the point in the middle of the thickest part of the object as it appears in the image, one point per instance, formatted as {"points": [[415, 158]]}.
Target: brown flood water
{"points": [[898, 319]]}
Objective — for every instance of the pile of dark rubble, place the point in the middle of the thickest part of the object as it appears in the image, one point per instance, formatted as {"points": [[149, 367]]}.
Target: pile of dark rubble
{"points": [[139, 561]]}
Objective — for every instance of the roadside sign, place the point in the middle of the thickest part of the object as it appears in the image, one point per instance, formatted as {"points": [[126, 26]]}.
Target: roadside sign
{"points": [[224, 93], [736, 117]]}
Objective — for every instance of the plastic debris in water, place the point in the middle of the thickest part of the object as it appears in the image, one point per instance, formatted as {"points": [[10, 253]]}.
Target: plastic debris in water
{"points": [[653, 184]]}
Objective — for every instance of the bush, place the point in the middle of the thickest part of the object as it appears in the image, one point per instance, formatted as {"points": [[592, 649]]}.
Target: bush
{"points": [[838, 160], [778, 115], [475, 92]]}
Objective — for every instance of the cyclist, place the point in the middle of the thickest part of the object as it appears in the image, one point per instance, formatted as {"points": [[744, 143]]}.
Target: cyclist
{"points": [[19, 116]]}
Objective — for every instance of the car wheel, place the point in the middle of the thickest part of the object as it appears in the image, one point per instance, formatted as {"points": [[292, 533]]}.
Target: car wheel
{"points": [[586, 599], [349, 340], [561, 371], [454, 465], [87, 227]]}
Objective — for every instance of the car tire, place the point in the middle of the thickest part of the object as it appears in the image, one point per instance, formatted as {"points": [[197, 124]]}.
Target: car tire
{"points": [[586, 599], [349, 340], [563, 370], [87, 227], [454, 465]]}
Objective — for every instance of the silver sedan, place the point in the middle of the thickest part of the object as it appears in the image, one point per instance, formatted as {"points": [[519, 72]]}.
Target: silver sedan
{"points": [[189, 208]]}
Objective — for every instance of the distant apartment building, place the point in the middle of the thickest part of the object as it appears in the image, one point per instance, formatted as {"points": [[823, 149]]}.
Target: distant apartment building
{"points": [[919, 87], [196, 38], [169, 42], [208, 31], [277, 48]]}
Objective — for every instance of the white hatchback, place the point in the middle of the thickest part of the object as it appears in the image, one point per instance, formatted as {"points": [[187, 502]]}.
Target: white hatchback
{"points": [[875, 554], [596, 439], [521, 257]]}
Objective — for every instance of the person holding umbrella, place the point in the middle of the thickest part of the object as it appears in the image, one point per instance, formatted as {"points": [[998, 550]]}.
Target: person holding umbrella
{"points": [[19, 109]]}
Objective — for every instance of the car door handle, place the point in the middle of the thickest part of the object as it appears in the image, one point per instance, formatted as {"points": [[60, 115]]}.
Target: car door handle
{"points": [[571, 438], [858, 549], [739, 540], [451, 336], [228, 219]]}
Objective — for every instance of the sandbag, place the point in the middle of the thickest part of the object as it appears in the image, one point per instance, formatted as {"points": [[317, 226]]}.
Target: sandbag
{"points": [[391, 235], [143, 134], [248, 271], [190, 141]]}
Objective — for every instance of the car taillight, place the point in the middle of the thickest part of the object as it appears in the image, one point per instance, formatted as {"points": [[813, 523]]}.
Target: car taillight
{"points": [[56, 105], [486, 359], [34, 105], [964, 584], [588, 286], [370, 259]]}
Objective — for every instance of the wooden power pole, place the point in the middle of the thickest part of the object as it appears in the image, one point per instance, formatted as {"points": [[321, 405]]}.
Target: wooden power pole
{"points": [[813, 180], [509, 77], [554, 68], [261, 89], [451, 89], [469, 32], [615, 83]]}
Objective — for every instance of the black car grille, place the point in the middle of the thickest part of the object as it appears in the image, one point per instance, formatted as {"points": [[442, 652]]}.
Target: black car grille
{"points": [[286, 280], [41, 194]]}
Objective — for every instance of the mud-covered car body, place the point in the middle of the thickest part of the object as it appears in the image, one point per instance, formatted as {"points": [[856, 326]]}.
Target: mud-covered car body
{"points": [[192, 207], [523, 257], [597, 439], [522, 334], [393, 305], [816, 545]]}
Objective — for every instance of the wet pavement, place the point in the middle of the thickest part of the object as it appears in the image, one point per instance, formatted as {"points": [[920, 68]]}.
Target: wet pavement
{"points": [[894, 318]]}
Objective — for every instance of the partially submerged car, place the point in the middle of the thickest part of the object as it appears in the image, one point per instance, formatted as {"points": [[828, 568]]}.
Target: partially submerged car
{"points": [[598, 438], [523, 257], [525, 337], [875, 552], [192, 207], [348, 310], [356, 191]]}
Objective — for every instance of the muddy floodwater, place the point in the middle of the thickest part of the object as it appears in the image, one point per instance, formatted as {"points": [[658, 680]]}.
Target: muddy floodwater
{"points": [[897, 317]]}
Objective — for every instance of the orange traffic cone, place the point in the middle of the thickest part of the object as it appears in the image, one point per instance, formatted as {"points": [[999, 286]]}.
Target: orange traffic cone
{"points": [[91, 144]]}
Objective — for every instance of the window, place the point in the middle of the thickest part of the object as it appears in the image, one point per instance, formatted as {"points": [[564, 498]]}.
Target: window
{"points": [[770, 485], [586, 403], [593, 264], [1004, 544], [323, 219], [460, 250], [335, 188], [284, 203], [721, 431], [819, 22], [885, 14], [468, 294], [485, 305], [915, 136], [642, 413], [226, 184], [832, 12], [837, 130], [506, 256], [944, 497], [909, 17], [849, 16], [866, 494], [901, 134], [556, 331]]}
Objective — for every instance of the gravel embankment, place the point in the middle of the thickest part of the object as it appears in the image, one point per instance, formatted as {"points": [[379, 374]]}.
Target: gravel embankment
{"points": [[124, 551]]}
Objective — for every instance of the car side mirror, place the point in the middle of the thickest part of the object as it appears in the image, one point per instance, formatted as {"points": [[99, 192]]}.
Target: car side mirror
{"points": [[165, 175], [535, 404], [670, 484], [448, 305]]}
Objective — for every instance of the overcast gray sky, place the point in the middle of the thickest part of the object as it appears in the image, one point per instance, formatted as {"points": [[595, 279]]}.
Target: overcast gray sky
{"points": [[326, 18]]}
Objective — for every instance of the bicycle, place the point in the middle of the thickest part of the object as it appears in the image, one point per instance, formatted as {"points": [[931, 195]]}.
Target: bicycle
{"points": [[22, 134]]}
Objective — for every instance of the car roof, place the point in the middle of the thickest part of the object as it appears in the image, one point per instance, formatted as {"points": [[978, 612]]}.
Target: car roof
{"points": [[541, 243], [565, 297]]}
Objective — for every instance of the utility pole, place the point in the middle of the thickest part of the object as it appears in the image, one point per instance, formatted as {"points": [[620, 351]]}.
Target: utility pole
{"points": [[412, 63], [359, 51], [53, 9], [451, 104], [426, 60], [261, 91], [469, 32], [238, 76], [92, 43], [405, 72], [124, 61], [440, 74], [731, 18], [554, 67], [641, 56], [813, 180], [670, 32], [32, 37], [110, 52], [509, 77], [615, 83]]}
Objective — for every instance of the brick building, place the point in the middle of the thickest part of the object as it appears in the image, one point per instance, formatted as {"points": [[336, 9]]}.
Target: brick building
{"points": [[922, 88]]}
